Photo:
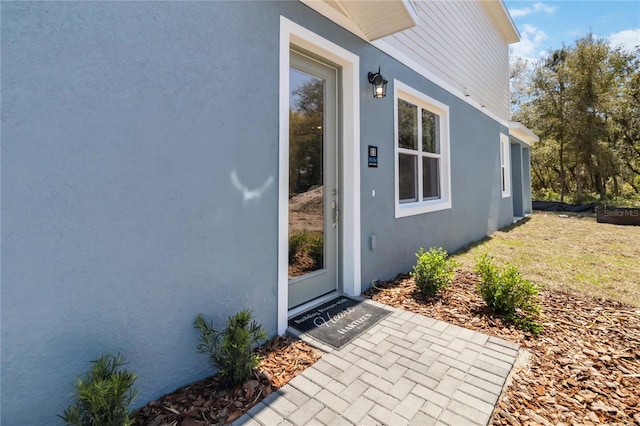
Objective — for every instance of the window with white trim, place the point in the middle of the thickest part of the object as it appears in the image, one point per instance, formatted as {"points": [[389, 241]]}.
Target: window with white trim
{"points": [[422, 152], [505, 166]]}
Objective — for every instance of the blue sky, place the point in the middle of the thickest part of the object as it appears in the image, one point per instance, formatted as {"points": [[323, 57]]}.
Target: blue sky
{"points": [[545, 25]]}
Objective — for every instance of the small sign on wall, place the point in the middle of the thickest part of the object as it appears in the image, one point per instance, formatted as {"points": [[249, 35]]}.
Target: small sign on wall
{"points": [[373, 156]]}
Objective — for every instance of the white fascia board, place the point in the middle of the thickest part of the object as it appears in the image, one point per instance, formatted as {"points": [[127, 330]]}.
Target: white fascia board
{"points": [[412, 11], [521, 132], [502, 20]]}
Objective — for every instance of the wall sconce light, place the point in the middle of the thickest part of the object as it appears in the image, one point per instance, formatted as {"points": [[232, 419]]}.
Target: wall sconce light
{"points": [[482, 104], [378, 83], [465, 91]]}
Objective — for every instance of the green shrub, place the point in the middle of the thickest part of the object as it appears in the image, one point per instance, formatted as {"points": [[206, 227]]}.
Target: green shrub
{"points": [[433, 270], [231, 351], [507, 293], [296, 241], [103, 396], [309, 243], [315, 247]]}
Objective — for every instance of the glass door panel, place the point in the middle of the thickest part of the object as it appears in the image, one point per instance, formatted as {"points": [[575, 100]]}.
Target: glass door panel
{"points": [[313, 181], [306, 184]]}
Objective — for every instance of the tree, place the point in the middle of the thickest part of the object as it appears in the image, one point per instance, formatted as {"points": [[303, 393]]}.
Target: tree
{"points": [[583, 101], [520, 80], [546, 111], [626, 120], [306, 137]]}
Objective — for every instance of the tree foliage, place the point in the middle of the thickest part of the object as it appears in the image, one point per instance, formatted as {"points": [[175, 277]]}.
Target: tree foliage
{"points": [[519, 78], [583, 101], [305, 135]]}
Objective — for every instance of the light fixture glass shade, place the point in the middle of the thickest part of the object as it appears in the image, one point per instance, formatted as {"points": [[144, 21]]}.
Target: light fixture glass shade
{"points": [[378, 84]]}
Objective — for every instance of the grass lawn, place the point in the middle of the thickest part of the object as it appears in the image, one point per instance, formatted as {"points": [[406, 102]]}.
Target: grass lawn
{"points": [[570, 253]]}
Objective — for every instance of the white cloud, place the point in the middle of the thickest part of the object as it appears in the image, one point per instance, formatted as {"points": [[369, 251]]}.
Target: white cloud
{"points": [[530, 44], [535, 8], [628, 39]]}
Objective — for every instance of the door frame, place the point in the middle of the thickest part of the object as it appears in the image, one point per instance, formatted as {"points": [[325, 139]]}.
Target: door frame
{"points": [[292, 34], [324, 279]]}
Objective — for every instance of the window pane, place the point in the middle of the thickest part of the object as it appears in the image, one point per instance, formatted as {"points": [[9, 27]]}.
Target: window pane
{"points": [[430, 178], [430, 132], [407, 177], [306, 180], [407, 125]]}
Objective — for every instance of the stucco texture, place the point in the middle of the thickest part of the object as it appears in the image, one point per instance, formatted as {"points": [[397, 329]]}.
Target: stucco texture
{"points": [[478, 208], [139, 185], [122, 126]]}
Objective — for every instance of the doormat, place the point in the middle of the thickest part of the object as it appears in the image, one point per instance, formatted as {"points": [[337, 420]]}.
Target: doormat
{"points": [[338, 321]]}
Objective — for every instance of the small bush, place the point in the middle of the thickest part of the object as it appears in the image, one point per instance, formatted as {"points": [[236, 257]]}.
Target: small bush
{"points": [[306, 243], [315, 246], [507, 293], [103, 396], [231, 351], [296, 241], [433, 270]]}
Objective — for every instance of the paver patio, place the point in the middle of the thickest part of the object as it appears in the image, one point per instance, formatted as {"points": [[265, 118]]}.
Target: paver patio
{"points": [[406, 370]]}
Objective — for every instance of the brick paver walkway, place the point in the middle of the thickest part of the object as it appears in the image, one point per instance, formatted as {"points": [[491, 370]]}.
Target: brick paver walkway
{"points": [[407, 369]]}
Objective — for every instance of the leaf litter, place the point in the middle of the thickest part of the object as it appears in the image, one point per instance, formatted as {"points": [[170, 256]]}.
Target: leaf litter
{"points": [[583, 369], [207, 402]]}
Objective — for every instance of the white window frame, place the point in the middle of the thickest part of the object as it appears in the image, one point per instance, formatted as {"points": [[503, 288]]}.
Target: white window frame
{"points": [[409, 94], [505, 165]]}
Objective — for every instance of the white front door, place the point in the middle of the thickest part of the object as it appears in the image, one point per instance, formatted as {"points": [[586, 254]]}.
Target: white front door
{"points": [[313, 179]]}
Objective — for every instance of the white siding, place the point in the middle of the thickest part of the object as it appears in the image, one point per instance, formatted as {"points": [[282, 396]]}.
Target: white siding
{"points": [[460, 44]]}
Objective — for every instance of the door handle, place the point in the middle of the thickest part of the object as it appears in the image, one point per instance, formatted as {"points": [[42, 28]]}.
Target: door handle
{"points": [[336, 213]]}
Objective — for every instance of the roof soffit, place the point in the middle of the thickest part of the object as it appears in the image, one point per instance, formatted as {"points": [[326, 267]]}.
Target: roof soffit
{"points": [[519, 131], [370, 20]]}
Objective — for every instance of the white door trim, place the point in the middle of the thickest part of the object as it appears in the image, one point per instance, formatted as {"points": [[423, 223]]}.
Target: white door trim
{"points": [[292, 34]]}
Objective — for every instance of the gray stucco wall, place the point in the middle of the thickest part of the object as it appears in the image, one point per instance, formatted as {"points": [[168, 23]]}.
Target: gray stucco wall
{"points": [[478, 208], [123, 126]]}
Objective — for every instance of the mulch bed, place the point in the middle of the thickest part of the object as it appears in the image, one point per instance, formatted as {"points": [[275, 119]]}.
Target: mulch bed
{"points": [[583, 369], [208, 403]]}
